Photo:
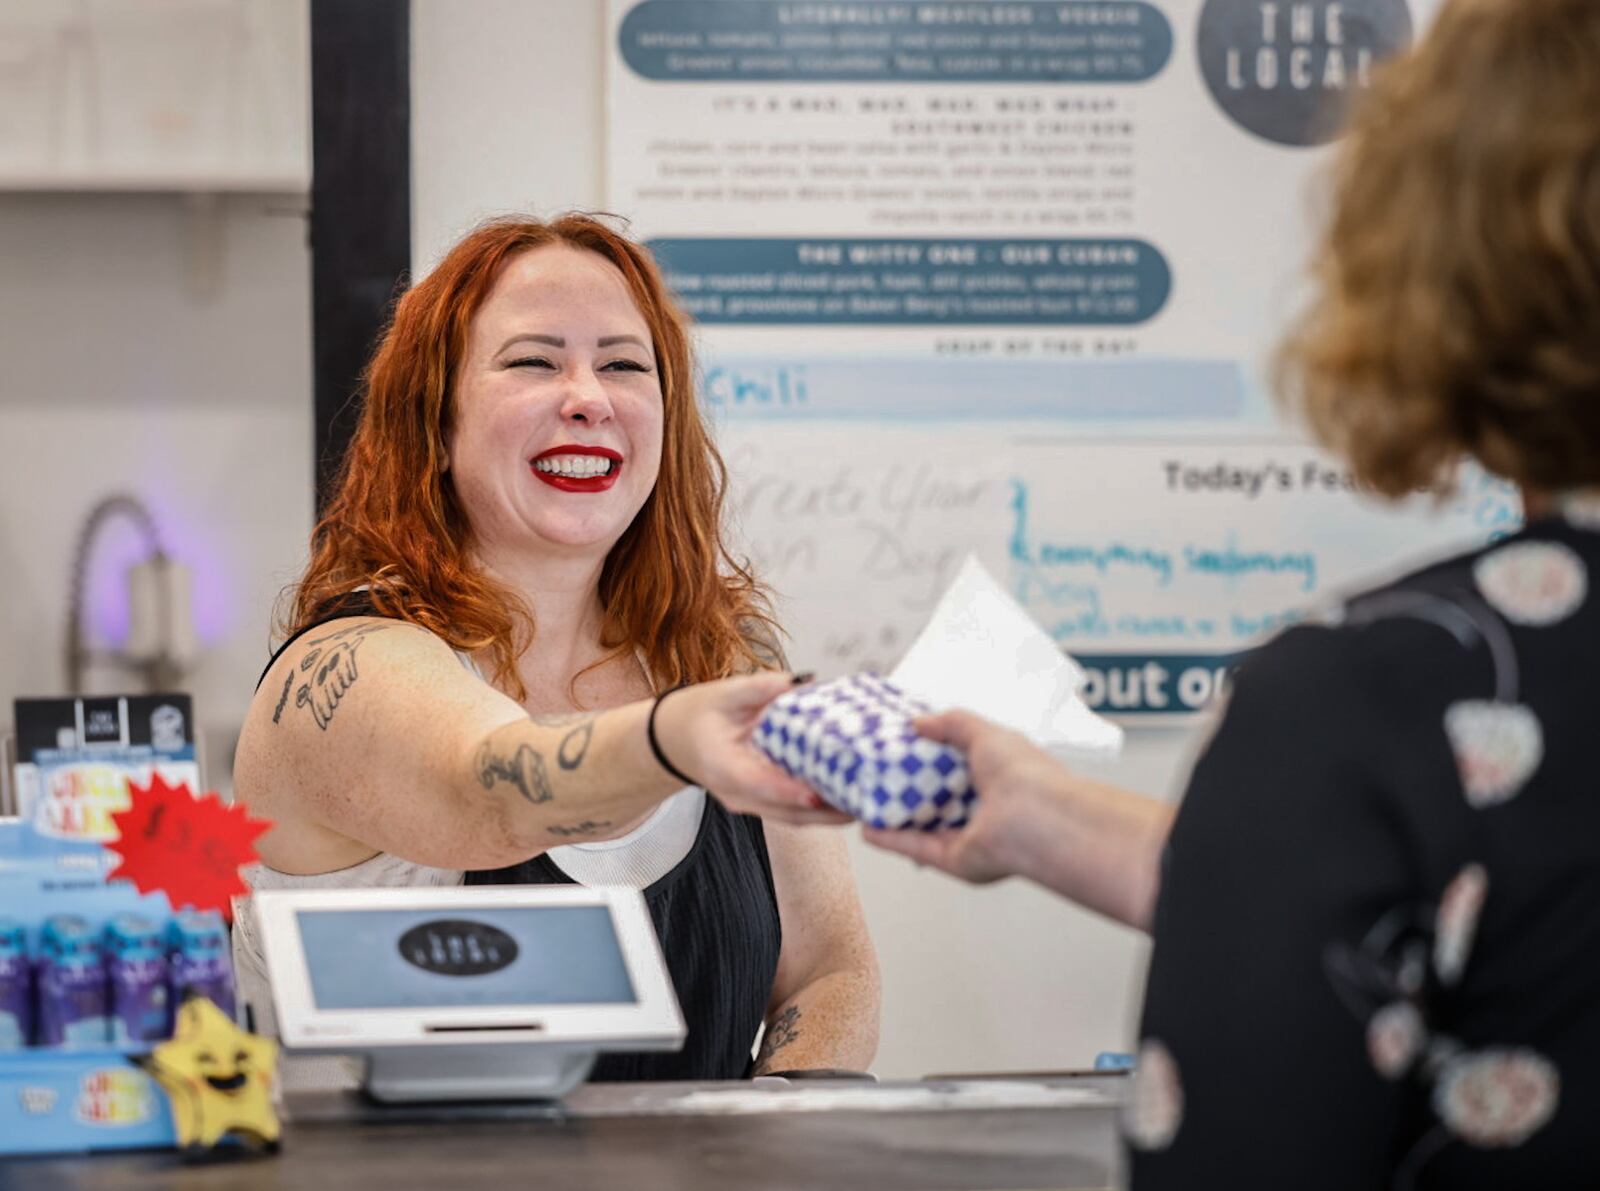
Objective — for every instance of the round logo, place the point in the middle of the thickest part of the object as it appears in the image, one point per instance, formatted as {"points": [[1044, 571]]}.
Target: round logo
{"points": [[457, 947], [1286, 70]]}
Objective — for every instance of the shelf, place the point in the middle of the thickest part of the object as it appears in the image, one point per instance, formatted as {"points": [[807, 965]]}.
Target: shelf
{"points": [[65, 182]]}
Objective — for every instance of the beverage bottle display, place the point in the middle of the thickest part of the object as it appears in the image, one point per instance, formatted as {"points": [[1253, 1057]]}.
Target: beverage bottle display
{"points": [[74, 1001], [136, 960], [201, 963], [16, 987]]}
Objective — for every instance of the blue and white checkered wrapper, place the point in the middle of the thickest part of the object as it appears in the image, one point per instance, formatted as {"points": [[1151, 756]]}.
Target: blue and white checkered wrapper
{"points": [[851, 740]]}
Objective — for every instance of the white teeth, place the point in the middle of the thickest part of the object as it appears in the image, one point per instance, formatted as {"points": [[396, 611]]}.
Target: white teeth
{"points": [[578, 467]]}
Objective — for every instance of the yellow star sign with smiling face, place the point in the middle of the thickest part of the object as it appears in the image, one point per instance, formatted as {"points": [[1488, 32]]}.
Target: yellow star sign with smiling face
{"points": [[219, 1079]]}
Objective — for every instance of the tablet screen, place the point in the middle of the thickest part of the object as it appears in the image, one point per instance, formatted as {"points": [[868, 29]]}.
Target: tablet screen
{"points": [[431, 958]]}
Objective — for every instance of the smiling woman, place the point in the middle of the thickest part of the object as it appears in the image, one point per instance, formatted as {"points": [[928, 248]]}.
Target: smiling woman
{"points": [[523, 558]]}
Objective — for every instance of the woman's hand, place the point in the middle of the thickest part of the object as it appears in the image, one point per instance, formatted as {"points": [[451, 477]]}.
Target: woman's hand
{"points": [[705, 731], [1091, 842]]}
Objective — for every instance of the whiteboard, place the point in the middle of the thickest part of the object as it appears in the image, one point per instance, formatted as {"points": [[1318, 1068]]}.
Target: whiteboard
{"points": [[1006, 279]]}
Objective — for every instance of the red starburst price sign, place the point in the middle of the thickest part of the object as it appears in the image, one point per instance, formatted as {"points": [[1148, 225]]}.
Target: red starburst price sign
{"points": [[189, 848]]}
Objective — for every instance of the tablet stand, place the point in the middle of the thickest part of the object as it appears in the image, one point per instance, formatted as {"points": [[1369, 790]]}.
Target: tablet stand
{"points": [[482, 1071]]}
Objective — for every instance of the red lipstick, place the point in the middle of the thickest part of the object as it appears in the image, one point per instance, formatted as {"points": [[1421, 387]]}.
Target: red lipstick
{"points": [[572, 483]]}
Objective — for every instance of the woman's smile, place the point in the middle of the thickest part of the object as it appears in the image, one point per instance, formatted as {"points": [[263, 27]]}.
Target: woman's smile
{"points": [[578, 468], [560, 386]]}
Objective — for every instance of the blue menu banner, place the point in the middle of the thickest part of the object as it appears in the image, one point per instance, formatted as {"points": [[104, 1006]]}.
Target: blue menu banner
{"points": [[916, 282], [881, 41]]}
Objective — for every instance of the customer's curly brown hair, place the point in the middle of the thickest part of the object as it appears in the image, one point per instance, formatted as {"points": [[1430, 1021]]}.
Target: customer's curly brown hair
{"points": [[1457, 310]]}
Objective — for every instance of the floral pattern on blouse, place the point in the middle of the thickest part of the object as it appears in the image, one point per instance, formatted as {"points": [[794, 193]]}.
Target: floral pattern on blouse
{"points": [[1395, 1038], [1153, 1111], [1457, 922], [1496, 1097], [1532, 583], [1582, 510], [1497, 747]]}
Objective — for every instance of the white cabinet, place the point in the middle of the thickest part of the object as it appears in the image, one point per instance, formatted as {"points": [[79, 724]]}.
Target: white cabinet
{"points": [[181, 95]]}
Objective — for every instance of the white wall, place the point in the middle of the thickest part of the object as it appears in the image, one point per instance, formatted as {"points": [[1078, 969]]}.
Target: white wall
{"points": [[122, 373], [492, 81], [508, 114]]}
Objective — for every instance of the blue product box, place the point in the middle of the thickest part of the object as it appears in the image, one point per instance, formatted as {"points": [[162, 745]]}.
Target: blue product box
{"points": [[89, 1097], [63, 1101]]}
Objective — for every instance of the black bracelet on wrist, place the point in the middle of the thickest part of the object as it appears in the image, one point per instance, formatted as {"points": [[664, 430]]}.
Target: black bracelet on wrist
{"points": [[655, 745]]}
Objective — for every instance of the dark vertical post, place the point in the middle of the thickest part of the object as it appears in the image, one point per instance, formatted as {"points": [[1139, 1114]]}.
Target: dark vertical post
{"points": [[360, 201]]}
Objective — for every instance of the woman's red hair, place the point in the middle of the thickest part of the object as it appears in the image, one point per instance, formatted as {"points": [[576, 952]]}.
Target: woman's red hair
{"points": [[669, 587]]}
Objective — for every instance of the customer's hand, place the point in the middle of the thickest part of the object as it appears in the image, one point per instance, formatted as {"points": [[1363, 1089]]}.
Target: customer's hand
{"points": [[705, 731], [1094, 843], [1015, 781]]}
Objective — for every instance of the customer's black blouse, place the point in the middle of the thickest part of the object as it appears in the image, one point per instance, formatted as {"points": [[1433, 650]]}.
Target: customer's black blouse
{"points": [[1377, 943]]}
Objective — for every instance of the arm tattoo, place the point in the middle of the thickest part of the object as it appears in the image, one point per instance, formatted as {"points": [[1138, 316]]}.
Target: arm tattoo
{"points": [[524, 769], [575, 745], [332, 672], [330, 666], [781, 1031], [277, 712], [587, 827]]}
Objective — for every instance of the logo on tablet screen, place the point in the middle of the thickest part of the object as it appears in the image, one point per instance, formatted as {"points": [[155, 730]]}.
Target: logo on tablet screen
{"points": [[457, 947]]}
